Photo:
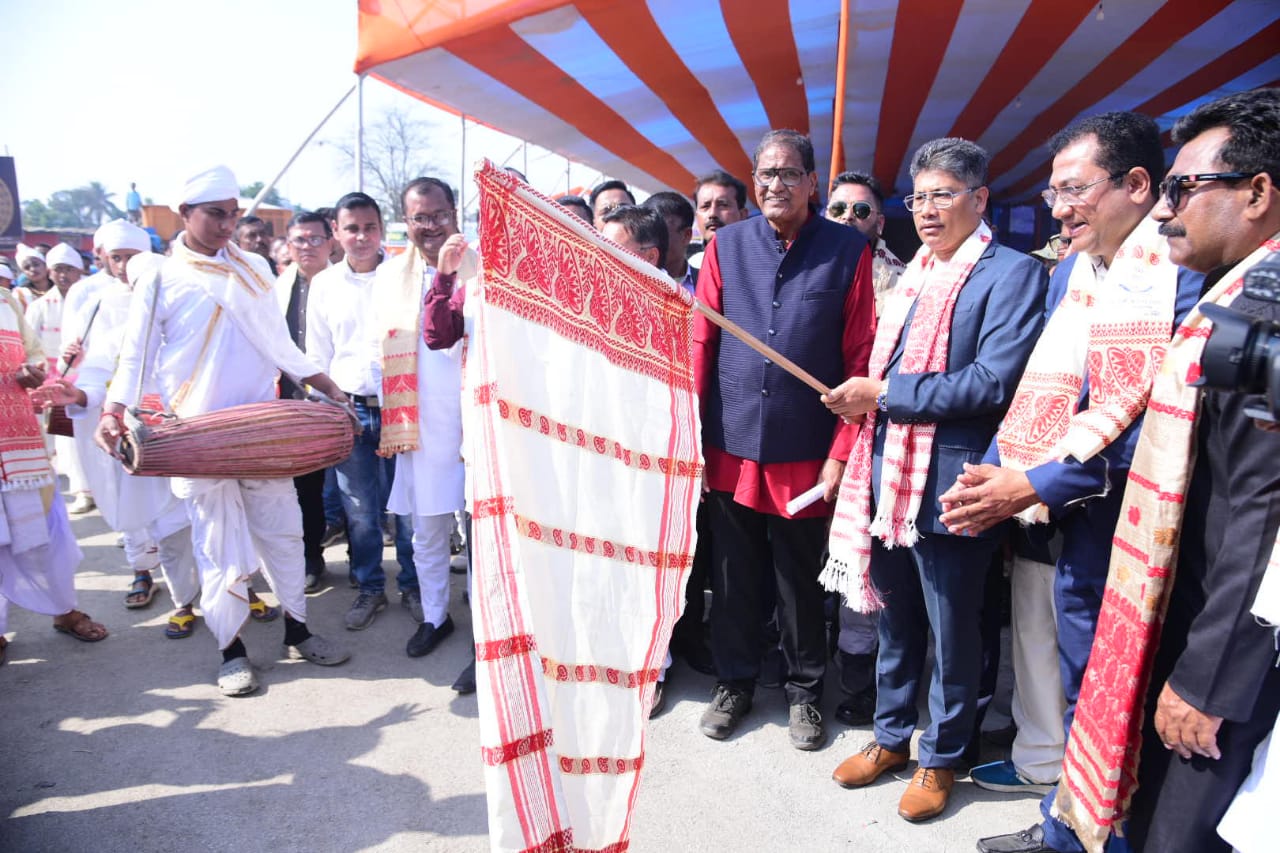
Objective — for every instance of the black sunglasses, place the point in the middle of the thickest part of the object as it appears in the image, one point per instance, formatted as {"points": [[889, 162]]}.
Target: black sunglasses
{"points": [[1172, 186], [861, 210]]}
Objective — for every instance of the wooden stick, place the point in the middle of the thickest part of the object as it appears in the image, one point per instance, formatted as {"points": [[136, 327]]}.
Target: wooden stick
{"points": [[764, 349]]}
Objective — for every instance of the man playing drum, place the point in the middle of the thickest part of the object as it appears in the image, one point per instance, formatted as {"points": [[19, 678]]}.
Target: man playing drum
{"points": [[206, 326]]}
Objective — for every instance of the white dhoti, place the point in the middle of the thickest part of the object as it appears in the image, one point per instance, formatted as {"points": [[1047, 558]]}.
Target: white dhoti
{"points": [[37, 562], [69, 464], [1038, 699], [237, 528], [172, 534]]}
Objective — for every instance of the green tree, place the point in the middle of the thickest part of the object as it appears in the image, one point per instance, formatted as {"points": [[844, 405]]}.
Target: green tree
{"points": [[272, 198], [396, 150]]}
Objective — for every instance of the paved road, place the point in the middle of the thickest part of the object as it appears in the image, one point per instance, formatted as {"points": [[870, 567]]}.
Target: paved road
{"points": [[126, 745]]}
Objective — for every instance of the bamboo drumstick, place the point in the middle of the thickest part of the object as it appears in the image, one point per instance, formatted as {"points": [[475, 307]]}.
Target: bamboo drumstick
{"points": [[764, 349]]}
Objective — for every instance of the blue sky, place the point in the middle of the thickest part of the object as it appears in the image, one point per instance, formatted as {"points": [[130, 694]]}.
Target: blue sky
{"points": [[152, 91]]}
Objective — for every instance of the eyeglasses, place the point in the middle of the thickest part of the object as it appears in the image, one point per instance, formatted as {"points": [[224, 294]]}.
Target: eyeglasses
{"points": [[1072, 195], [609, 207], [1058, 242], [1172, 186], [861, 210], [790, 177], [217, 214], [942, 199], [439, 219], [302, 241]]}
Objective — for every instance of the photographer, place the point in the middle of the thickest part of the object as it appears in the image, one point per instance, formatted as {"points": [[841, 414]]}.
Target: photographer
{"points": [[1200, 513]]}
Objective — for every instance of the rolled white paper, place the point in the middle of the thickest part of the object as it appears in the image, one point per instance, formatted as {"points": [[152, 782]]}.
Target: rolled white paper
{"points": [[808, 498]]}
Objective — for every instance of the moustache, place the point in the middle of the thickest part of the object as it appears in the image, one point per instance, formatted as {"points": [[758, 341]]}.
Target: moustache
{"points": [[1168, 229]]}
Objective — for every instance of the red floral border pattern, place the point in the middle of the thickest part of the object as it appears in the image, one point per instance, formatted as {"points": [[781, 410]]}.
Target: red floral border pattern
{"points": [[540, 271], [585, 673], [600, 765], [532, 419], [609, 549], [496, 755]]}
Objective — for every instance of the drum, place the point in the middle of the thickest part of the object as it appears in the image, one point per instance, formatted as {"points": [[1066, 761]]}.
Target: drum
{"points": [[258, 441]]}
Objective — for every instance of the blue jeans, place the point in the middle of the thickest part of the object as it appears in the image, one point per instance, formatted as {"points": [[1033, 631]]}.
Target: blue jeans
{"points": [[333, 512], [364, 480]]}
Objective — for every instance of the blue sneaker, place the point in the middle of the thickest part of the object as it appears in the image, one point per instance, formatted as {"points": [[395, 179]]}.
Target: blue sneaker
{"points": [[1004, 777]]}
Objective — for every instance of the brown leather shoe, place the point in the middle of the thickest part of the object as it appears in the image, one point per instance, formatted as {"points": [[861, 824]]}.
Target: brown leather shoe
{"points": [[866, 765], [926, 795]]}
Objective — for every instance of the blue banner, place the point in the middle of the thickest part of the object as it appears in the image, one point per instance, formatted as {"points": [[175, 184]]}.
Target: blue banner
{"points": [[10, 206]]}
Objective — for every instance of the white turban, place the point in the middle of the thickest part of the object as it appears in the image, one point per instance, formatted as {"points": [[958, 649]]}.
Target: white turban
{"points": [[5, 272], [24, 251], [119, 234], [64, 254], [214, 184], [142, 264]]}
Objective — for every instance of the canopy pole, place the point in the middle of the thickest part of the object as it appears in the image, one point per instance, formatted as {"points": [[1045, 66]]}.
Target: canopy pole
{"points": [[837, 112], [462, 179], [360, 133], [266, 189]]}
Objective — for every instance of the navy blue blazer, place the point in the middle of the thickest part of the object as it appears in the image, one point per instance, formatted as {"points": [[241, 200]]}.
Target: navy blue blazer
{"points": [[998, 317]]}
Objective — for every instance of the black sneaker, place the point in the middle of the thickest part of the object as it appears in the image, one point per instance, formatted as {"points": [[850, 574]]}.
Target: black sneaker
{"points": [[728, 706], [659, 700], [805, 727], [333, 534], [465, 683], [859, 709]]}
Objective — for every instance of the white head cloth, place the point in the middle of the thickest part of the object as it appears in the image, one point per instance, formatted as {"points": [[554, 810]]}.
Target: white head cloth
{"points": [[5, 272], [121, 234], [213, 184], [64, 254], [24, 251], [143, 263]]}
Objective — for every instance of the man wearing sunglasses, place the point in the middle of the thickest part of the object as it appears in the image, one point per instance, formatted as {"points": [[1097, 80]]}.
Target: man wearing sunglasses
{"points": [[1214, 687], [802, 284], [1061, 457], [857, 200]]}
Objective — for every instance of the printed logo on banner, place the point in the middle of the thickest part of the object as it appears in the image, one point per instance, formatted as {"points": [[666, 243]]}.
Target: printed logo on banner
{"points": [[10, 209]]}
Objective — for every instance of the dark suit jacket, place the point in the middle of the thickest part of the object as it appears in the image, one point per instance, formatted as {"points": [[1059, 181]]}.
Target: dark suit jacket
{"points": [[998, 317]]}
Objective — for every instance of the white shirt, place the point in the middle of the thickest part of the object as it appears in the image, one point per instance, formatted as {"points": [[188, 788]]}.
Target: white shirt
{"points": [[341, 331], [44, 316], [81, 299], [195, 342]]}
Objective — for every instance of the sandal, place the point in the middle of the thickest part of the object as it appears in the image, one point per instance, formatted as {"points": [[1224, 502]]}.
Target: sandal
{"points": [[142, 592], [260, 611], [182, 624], [80, 626], [4, 644]]}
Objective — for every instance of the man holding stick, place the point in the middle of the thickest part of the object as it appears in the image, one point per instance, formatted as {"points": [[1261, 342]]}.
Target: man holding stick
{"points": [[802, 285]]}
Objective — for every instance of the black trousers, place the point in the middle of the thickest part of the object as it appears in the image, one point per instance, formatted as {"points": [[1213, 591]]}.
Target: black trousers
{"points": [[689, 627], [310, 489], [746, 548], [1178, 803]]}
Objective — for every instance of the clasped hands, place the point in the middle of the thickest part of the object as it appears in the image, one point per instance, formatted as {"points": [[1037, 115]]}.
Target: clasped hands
{"points": [[983, 496]]}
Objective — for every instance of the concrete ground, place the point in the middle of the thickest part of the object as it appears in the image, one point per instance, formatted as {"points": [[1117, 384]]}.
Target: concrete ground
{"points": [[126, 745]]}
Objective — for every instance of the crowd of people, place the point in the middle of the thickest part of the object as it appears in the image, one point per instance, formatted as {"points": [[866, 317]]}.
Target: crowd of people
{"points": [[993, 420]]}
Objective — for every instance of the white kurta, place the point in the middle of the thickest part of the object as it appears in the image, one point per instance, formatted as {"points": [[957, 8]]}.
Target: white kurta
{"points": [[144, 509], [218, 341], [428, 483]]}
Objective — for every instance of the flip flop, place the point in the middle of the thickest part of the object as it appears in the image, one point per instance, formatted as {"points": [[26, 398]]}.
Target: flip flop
{"points": [[260, 611], [144, 585], [181, 624], [81, 627]]}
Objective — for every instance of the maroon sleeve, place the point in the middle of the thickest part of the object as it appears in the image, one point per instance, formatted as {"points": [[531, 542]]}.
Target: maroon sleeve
{"points": [[706, 335], [856, 342], [442, 319]]}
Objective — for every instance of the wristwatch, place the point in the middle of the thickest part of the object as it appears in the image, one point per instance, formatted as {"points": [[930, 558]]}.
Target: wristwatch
{"points": [[882, 399]]}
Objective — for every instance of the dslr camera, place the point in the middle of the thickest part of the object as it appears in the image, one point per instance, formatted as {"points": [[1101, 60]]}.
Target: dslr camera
{"points": [[1243, 352]]}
